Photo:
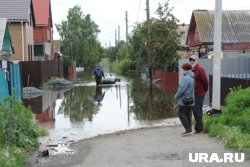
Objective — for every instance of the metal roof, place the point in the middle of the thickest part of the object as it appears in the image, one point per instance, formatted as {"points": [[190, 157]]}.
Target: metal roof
{"points": [[235, 25], [15, 10], [42, 11]]}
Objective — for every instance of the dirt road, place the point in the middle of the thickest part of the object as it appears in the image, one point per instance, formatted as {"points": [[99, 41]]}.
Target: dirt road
{"points": [[155, 147]]}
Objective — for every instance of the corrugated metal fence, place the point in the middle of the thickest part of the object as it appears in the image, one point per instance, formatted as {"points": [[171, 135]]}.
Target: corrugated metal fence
{"points": [[234, 72]]}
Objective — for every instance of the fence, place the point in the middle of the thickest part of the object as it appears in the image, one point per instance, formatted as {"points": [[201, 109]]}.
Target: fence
{"points": [[168, 81], [10, 81], [235, 68], [35, 73], [226, 85]]}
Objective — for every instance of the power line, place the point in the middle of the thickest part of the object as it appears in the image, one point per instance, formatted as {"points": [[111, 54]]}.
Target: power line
{"points": [[138, 11]]}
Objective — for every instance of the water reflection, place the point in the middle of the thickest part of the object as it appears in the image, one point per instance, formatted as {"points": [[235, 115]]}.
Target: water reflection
{"points": [[99, 95], [44, 106], [87, 110], [150, 103], [78, 105]]}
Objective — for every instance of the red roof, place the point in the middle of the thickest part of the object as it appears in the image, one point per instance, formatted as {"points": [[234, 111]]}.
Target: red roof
{"points": [[42, 11]]}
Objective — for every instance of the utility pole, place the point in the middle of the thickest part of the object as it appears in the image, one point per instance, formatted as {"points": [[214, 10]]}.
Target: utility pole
{"points": [[217, 57], [118, 34], [149, 42], [118, 56], [115, 37], [126, 32], [126, 26]]}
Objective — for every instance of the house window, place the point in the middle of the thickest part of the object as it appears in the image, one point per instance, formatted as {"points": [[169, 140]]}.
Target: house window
{"points": [[38, 50]]}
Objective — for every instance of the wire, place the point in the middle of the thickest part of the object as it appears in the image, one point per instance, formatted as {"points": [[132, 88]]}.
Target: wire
{"points": [[138, 11]]}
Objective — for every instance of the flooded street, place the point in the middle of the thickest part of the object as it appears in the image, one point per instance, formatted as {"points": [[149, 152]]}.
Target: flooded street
{"points": [[87, 111]]}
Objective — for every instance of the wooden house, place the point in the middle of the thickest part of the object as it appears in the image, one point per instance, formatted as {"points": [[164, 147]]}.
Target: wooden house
{"points": [[20, 17], [235, 33], [43, 37]]}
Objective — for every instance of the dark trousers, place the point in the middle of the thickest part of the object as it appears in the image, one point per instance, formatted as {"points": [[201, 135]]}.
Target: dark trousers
{"points": [[185, 115], [198, 113], [98, 79]]}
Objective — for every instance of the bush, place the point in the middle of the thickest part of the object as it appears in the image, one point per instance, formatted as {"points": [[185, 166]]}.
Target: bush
{"points": [[233, 124], [237, 110], [126, 66], [18, 132]]}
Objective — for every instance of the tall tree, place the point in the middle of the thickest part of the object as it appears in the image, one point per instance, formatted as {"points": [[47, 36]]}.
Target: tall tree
{"points": [[164, 39], [79, 37]]}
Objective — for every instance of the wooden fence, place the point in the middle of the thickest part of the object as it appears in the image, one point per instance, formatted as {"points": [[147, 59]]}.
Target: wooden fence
{"points": [[35, 73]]}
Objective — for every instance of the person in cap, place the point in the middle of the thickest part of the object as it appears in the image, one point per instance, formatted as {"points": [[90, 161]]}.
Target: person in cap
{"points": [[200, 89]]}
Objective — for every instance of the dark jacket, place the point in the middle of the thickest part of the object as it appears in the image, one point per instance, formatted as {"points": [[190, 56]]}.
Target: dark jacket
{"points": [[201, 80], [186, 87], [98, 72]]}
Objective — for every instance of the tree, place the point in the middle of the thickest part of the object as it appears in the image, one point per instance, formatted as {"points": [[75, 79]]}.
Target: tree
{"points": [[164, 40], [79, 37]]}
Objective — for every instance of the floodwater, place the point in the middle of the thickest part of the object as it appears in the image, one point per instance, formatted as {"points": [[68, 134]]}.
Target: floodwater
{"points": [[87, 111]]}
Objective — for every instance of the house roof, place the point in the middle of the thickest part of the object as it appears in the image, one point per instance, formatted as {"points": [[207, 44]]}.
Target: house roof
{"points": [[235, 25], [42, 12], [15, 10]]}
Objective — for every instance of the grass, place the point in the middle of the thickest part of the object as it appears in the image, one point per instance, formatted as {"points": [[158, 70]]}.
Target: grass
{"points": [[233, 125], [18, 132]]}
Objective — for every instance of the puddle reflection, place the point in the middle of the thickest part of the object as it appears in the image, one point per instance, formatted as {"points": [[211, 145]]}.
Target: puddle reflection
{"points": [[87, 110]]}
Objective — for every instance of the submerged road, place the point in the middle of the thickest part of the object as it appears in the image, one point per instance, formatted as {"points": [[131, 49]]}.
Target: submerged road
{"points": [[154, 147]]}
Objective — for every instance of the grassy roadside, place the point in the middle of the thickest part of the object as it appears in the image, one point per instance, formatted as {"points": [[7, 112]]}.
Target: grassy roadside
{"points": [[233, 125], [18, 133]]}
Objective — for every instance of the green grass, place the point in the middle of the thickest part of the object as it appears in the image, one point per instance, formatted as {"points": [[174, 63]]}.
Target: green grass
{"points": [[18, 132], [233, 125]]}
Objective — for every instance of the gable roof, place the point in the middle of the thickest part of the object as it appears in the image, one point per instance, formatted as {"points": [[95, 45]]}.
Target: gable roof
{"points": [[235, 26], [6, 48], [15, 10], [42, 12]]}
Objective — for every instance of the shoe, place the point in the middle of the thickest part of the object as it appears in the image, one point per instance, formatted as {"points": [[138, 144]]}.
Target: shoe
{"points": [[187, 134], [200, 131]]}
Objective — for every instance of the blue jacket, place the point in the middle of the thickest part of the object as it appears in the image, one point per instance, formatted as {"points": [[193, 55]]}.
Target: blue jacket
{"points": [[186, 87], [98, 72]]}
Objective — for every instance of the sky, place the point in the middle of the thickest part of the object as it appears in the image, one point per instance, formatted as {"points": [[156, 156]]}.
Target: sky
{"points": [[109, 14]]}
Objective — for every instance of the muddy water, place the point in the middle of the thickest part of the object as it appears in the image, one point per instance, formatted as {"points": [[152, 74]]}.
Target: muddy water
{"points": [[87, 111]]}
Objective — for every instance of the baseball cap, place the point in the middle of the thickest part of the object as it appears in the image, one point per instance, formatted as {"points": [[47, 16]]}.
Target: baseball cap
{"points": [[195, 57]]}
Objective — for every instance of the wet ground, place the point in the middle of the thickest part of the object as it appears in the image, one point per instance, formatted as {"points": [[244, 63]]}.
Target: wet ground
{"points": [[87, 111]]}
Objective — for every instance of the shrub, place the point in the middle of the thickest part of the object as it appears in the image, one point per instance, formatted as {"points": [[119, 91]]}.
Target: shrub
{"points": [[18, 132], [233, 125], [237, 110]]}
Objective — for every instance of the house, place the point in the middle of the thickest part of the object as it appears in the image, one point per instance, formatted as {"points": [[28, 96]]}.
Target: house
{"points": [[20, 17], [6, 48], [235, 33], [43, 37]]}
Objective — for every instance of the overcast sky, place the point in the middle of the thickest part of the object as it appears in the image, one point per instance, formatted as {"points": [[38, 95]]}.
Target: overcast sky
{"points": [[109, 14]]}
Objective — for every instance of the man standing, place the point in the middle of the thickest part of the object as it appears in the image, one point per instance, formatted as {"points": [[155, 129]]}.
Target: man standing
{"points": [[98, 74], [200, 89]]}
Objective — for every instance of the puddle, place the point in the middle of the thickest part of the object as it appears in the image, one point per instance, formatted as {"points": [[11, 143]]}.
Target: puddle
{"points": [[87, 111]]}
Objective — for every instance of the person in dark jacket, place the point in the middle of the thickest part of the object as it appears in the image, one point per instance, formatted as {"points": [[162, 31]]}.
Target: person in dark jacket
{"points": [[98, 74], [200, 89], [186, 89]]}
